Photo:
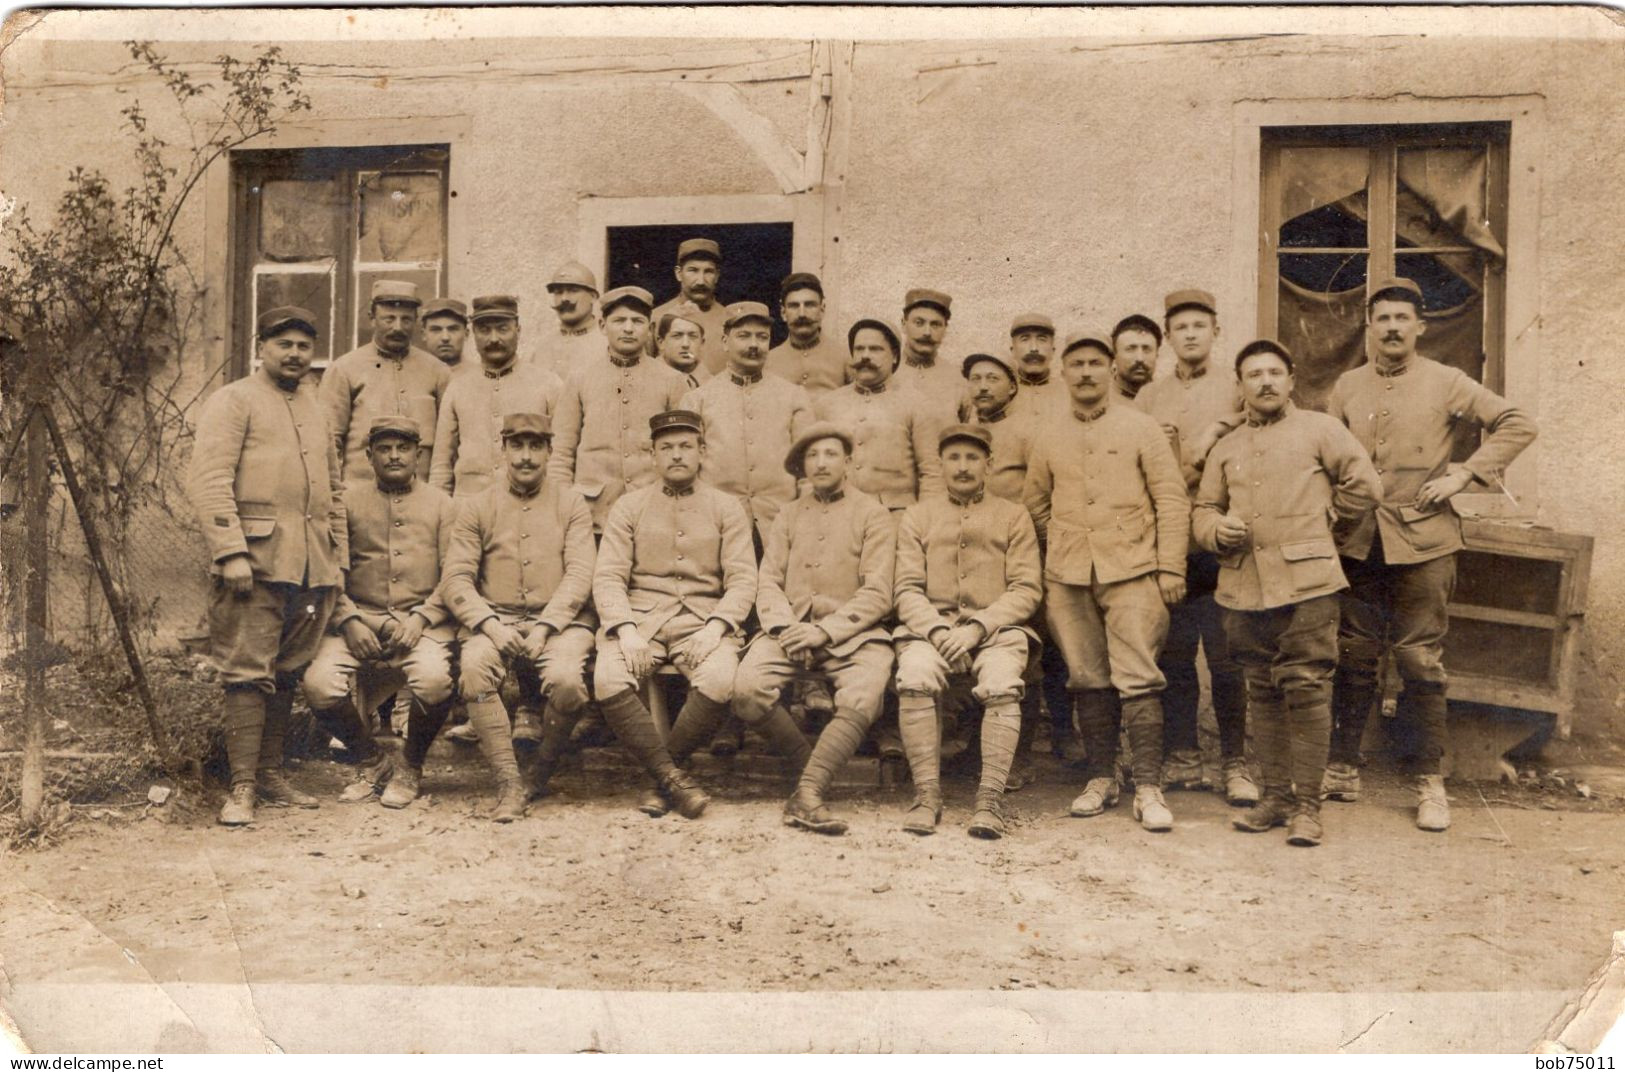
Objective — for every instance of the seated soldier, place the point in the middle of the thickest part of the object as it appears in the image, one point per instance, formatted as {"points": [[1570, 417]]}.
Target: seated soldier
{"points": [[824, 589], [517, 577], [967, 581], [676, 578], [389, 626]]}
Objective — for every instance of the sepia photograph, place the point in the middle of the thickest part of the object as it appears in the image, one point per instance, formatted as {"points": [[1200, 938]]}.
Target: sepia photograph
{"points": [[812, 529]]}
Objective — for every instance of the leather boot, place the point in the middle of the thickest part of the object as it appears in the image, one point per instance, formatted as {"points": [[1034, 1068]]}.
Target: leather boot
{"points": [[925, 813], [1432, 804], [635, 728], [988, 822], [369, 780], [1275, 809], [403, 787], [684, 793], [277, 791], [806, 809], [1304, 829], [238, 809]]}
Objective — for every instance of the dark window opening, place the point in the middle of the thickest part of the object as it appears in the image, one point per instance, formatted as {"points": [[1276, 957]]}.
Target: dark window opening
{"points": [[755, 259]]}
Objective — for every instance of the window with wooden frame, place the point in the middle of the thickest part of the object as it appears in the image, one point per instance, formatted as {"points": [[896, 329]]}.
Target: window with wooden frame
{"points": [[1345, 206], [317, 227]]}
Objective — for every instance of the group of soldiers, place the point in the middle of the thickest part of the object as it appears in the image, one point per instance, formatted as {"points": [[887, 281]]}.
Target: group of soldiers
{"points": [[863, 525]]}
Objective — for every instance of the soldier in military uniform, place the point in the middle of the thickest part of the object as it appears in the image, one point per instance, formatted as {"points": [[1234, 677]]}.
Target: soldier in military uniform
{"points": [[517, 576], [1106, 493], [699, 270], [676, 578], [678, 337], [925, 374], [1135, 342], [1269, 496], [445, 331], [1401, 563], [601, 441], [967, 582], [389, 628], [385, 376], [1032, 355], [807, 357], [468, 455], [572, 291], [264, 481], [825, 588]]}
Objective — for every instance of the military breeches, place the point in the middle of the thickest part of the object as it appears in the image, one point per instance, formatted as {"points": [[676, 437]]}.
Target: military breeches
{"points": [[713, 678], [274, 629], [425, 671], [997, 667], [859, 678], [1109, 634], [562, 669]]}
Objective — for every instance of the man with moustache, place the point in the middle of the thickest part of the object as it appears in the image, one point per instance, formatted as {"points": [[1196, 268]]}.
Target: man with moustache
{"points": [[1032, 354], [571, 291], [445, 330], [1401, 563], [1187, 404], [893, 453], [1273, 493], [991, 383], [386, 377], [807, 357], [925, 375], [825, 587], [389, 627], [1107, 495], [468, 456], [699, 270], [751, 419], [1135, 341], [679, 337], [967, 581], [601, 431], [264, 481], [676, 578]]}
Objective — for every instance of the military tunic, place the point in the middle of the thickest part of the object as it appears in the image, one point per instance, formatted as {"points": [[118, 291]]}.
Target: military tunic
{"points": [[364, 384], [468, 436], [818, 368], [894, 445], [750, 426]]}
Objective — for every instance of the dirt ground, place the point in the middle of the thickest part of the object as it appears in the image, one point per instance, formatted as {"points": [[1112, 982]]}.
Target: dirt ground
{"points": [[1202, 937]]}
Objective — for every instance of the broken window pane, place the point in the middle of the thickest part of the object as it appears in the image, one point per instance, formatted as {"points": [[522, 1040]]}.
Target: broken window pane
{"points": [[1323, 197], [309, 290], [1322, 319], [398, 216], [300, 219], [1443, 200]]}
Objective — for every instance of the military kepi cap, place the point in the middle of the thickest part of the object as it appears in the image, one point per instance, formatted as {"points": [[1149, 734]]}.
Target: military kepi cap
{"points": [[1189, 299], [800, 281], [444, 307], [395, 292], [972, 359], [698, 247], [934, 298], [739, 312], [394, 425], [676, 420], [633, 296], [1099, 339], [495, 307], [534, 424], [574, 274], [1263, 346], [1032, 322], [273, 321], [1398, 282], [970, 433], [795, 463]]}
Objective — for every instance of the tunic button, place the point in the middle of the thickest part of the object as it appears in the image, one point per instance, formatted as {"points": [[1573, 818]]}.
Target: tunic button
{"points": [[397, 524]]}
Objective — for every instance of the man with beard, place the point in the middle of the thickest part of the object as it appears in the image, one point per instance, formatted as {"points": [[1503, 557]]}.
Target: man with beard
{"points": [[1107, 495], [601, 442], [699, 269], [751, 418], [925, 376], [807, 357], [468, 455], [967, 581], [1272, 495], [679, 337], [572, 290], [825, 588], [264, 481], [1032, 354], [1401, 563], [1135, 341], [445, 330], [676, 578], [386, 377], [390, 628], [517, 576]]}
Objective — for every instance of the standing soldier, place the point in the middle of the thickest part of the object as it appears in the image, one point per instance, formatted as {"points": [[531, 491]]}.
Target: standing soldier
{"points": [[572, 290], [927, 378], [1401, 564], [265, 484], [390, 628], [468, 456], [1032, 352], [1186, 404], [1135, 342], [517, 577], [824, 589], [1269, 497], [386, 377], [807, 357], [699, 269], [678, 337], [967, 581], [751, 419], [601, 442], [445, 330], [676, 578], [1106, 493]]}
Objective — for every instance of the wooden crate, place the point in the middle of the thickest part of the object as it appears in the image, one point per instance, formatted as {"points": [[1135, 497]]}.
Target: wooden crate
{"points": [[1515, 617]]}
